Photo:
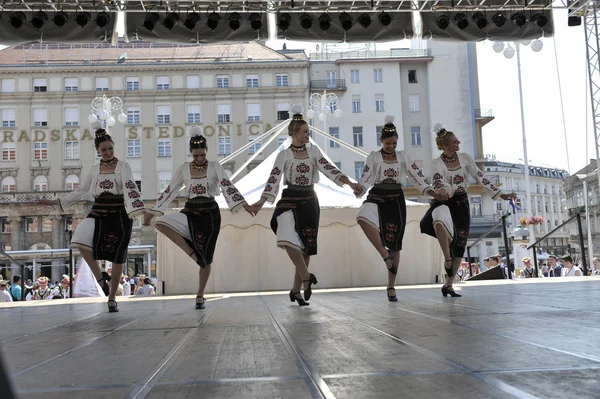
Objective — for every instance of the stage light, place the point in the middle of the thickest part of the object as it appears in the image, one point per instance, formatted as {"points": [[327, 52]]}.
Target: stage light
{"points": [[324, 22], [255, 21], [461, 20], [17, 18], [480, 20], [151, 20], [102, 19], [539, 19], [442, 22], [283, 21], [519, 19], [38, 20], [537, 45], [306, 21], [498, 46], [82, 18], [509, 52], [171, 20], [191, 20], [385, 19], [365, 20], [499, 19], [213, 21], [60, 19], [346, 21], [234, 21], [574, 20]]}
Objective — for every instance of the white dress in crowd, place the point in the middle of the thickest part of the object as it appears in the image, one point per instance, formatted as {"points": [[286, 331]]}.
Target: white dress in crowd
{"points": [[377, 171], [297, 172], [119, 182], [207, 187], [575, 271], [5, 296]]}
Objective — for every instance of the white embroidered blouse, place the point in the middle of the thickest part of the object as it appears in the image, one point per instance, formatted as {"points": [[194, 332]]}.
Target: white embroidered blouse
{"points": [[456, 181], [207, 187], [119, 182], [299, 172], [377, 171]]}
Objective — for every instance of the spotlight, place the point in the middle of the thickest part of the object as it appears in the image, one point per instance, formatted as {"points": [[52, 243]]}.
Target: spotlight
{"points": [[519, 19], [151, 21], [60, 19], [461, 20], [324, 22], [346, 21], [442, 22], [364, 20], [17, 18], [191, 20], [234, 21], [102, 19], [82, 18], [38, 20], [171, 20], [574, 20], [499, 19], [385, 19], [213, 20], [283, 21], [539, 19], [255, 21], [480, 20], [306, 21]]}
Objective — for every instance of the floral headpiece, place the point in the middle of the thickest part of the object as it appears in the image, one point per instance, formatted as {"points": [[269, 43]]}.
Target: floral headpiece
{"points": [[42, 280], [526, 259], [439, 130], [197, 137], [389, 126], [65, 279], [297, 110]]}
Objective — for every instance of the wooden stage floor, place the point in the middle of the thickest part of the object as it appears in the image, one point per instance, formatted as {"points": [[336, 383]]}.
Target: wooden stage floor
{"points": [[501, 340]]}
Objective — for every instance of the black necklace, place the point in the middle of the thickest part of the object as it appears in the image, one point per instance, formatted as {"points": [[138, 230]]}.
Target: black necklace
{"points": [[388, 155], [110, 162], [298, 148], [200, 167], [448, 159]]}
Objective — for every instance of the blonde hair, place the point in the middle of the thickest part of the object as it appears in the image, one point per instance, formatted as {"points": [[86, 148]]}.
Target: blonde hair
{"points": [[443, 140], [295, 125]]}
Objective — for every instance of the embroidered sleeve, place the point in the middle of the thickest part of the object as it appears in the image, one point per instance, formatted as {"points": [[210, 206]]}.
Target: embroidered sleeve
{"points": [[414, 174], [235, 200], [438, 181], [81, 191], [368, 176], [133, 199], [274, 180], [482, 179], [172, 190], [329, 170]]}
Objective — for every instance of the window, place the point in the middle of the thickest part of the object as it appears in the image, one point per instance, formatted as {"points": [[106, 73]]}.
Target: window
{"points": [[545, 189], [71, 149], [554, 207], [193, 114], [335, 132], [71, 84], [40, 150], [137, 178], [133, 83], [412, 76], [338, 165], [254, 147], [71, 116], [40, 85], [40, 117], [162, 83], [415, 136], [224, 145], [163, 114], [134, 148], [537, 188], [331, 79], [518, 203], [357, 132], [223, 113], [281, 80], [498, 205], [164, 147], [192, 82], [251, 80], [283, 111], [222, 81], [281, 140], [133, 116], [8, 86], [164, 179], [553, 188], [379, 103], [378, 135], [378, 75], [31, 225], [40, 183], [355, 104], [476, 205], [546, 205], [9, 118], [354, 76], [358, 170], [253, 112], [414, 104], [71, 182], [4, 225], [9, 151], [101, 84], [9, 184]]}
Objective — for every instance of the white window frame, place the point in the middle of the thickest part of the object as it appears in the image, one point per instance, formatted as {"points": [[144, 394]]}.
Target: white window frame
{"points": [[334, 131], [223, 113], [282, 80], [253, 112], [476, 202], [134, 115], [355, 76], [101, 84], [9, 184], [40, 150], [414, 103], [254, 147], [252, 80], [71, 115], [222, 81], [34, 221], [9, 117], [357, 136], [72, 182], [71, 84], [282, 107], [356, 105], [164, 147], [9, 151], [40, 183], [71, 149], [379, 103], [164, 179], [359, 167], [134, 148], [163, 83], [40, 85], [192, 81], [378, 75], [40, 117], [416, 140], [194, 113], [132, 83], [378, 130], [163, 114], [224, 145]]}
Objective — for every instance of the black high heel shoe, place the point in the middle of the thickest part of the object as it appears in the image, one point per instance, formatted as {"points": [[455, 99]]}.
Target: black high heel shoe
{"points": [[113, 308], [308, 292], [200, 305], [394, 267], [105, 287], [392, 298], [295, 296], [446, 291]]}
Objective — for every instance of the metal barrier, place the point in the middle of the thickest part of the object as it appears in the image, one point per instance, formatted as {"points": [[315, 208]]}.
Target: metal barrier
{"points": [[501, 221]]}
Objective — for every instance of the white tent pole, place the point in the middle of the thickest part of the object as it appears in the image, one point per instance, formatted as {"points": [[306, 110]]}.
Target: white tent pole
{"points": [[259, 138], [340, 142]]}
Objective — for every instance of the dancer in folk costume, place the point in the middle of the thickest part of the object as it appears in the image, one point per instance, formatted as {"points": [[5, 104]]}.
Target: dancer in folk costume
{"points": [[43, 292], [296, 217], [383, 215], [449, 217], [62, 290], [196, 228], [105, 233]]}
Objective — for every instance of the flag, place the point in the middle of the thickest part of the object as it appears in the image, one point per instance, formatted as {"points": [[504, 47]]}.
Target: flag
{"points": [[514, 205]]}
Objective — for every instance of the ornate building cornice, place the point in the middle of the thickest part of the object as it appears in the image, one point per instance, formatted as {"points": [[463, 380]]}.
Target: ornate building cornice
{"points": [[39, 171], [6, 172], [71, 170]]}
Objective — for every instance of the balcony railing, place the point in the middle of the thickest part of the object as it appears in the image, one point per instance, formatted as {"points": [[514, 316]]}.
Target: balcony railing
{"points": [[483, 113], [368, 53], [334, 84], [15, 198], [483, 219]]}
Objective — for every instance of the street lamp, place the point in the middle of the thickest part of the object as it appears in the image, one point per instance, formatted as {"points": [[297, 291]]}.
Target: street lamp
{"points": [[323, 105], [103, 109]]}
